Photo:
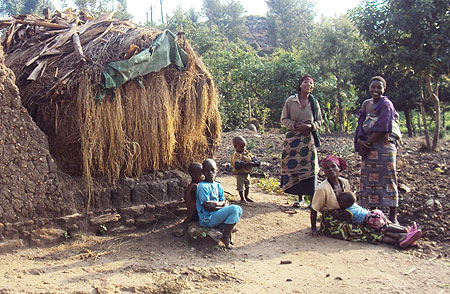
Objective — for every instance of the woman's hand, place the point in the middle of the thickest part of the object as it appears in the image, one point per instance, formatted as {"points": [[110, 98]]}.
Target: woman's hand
{"points": [[363, 147], [303, 128], [315, 233]]}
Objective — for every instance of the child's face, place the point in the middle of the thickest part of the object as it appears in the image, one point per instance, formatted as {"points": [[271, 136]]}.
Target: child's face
{"points": [[239, 146], [210, 171], [197, 176], [331, 169]]}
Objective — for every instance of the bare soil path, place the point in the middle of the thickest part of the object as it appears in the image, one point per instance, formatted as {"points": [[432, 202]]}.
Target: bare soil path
{"points": [[154, 261]]}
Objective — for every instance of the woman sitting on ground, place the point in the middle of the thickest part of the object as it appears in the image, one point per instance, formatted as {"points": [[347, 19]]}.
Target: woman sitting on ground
{"points": [[333, 223]]}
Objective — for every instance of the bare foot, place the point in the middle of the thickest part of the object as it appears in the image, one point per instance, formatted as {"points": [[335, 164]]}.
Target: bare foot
{"points": [[394, 221], [243, 200], [227, 242], [249, 199]]}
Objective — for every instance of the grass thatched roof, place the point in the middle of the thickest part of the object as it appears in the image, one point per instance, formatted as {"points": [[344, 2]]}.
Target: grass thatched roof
{"points": [[58, 61]]}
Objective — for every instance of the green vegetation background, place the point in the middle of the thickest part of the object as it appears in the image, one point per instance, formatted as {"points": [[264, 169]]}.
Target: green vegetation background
{"points": [[406, 41]]}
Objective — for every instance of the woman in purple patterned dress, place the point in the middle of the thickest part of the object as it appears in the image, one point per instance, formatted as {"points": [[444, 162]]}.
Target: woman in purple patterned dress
{"points": [[376, 139]]}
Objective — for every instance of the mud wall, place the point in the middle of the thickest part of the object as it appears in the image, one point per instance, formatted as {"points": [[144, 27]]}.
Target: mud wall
{"points": [[39, 204]]}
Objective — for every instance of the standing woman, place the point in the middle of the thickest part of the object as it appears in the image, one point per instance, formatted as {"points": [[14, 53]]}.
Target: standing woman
{"points": [[376, 139], [299, 164]]}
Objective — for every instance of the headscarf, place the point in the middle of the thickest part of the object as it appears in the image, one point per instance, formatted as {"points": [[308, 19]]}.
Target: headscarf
{"points": [[341, 163]]}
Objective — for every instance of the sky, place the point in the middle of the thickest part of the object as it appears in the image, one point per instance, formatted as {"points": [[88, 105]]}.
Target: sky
{"points": [[140, 8]]}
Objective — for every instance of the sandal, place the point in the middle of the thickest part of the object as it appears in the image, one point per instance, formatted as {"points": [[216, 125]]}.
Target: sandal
{"points": [[413, 228], [301, 204], [411, 237]]}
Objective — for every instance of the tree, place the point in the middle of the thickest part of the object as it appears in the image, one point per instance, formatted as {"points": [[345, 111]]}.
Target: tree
{"points": [[335, 46], [16, 7], [415, 35], [10, 7], [30, 6], [181, 20], [99, 7], [86, 5], [121, 10], [278, 79], [196, 32], [213, 10], [227, 18], [237, 70], [291, 22]]}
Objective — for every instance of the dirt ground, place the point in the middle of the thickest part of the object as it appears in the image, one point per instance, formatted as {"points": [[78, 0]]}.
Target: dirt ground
{"points": [[423, 178], [274, 253]]}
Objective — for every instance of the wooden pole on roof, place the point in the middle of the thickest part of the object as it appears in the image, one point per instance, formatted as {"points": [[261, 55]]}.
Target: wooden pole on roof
{"points": [[151, 13], [33, 22], [162, 14]]}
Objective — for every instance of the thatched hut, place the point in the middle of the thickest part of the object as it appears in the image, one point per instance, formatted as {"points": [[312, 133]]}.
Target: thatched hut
{"points": [[104, 116]]}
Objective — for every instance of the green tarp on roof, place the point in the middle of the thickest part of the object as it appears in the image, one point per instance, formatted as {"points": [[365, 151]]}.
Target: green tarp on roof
{"points": [[163, 52]]}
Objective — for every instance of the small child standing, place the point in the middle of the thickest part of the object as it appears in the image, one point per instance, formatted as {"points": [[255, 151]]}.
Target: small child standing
{"points": [[353, 213], [243, 163]]}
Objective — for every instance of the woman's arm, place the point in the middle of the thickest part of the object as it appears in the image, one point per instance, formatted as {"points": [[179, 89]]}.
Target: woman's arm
{"points": [[285, 116], [365, 106], [317, 204], [374, 137], [347, 217], [318, 122], [313, 218]]}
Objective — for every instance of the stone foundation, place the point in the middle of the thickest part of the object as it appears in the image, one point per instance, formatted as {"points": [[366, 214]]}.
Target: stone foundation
{"points": [[130, 204]]}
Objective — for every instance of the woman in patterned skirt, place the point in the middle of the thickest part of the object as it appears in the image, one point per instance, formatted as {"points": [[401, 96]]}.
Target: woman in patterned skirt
{"points": [[376, 141], [302, 118]]}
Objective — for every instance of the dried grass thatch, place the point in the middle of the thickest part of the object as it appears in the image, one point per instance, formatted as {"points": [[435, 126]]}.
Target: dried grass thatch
{"points": [[169, 123]]}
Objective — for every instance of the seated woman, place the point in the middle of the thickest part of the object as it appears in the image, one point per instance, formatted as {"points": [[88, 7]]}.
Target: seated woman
{"points": [[213, 209], [333, 222]]}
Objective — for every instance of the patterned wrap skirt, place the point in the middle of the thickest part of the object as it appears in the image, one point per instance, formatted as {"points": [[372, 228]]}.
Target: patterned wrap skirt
{"points": [[378, 185], [298, 160], [332, 224]]}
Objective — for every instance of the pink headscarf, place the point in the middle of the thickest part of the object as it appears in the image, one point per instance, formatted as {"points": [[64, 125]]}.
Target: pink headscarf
{"points": [[341, 163]]}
